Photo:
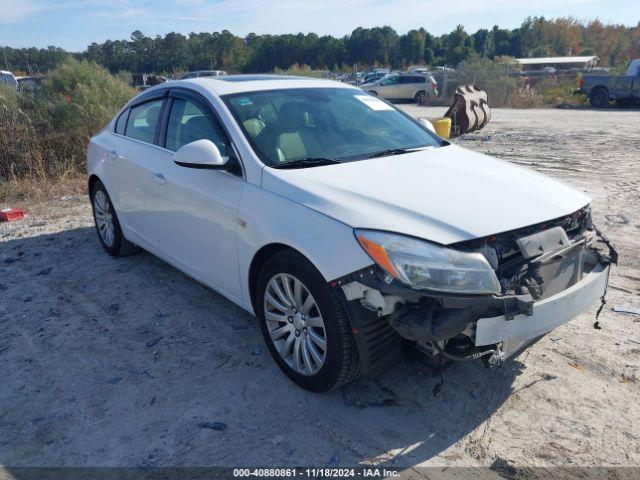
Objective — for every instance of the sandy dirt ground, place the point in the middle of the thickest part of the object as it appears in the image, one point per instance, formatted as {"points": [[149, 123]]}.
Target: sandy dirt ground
{"points": [[128, 362]]}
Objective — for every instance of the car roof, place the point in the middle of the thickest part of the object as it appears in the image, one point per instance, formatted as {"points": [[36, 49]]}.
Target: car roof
{"points": [[204, 71], [230, 84]]}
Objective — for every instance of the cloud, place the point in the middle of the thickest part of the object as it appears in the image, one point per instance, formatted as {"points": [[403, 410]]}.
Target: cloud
{"points": [[335, 17], [17, 11]]}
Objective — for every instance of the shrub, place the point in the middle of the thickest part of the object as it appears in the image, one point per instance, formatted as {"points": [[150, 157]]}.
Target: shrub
{"points": [[44, 131], [300, 71], [83, 98], [495, 78], [560, 92]]}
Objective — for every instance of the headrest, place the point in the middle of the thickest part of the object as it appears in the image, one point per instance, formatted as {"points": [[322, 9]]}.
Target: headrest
{"points": [[197, 128], [151, 115], [292, 116]]}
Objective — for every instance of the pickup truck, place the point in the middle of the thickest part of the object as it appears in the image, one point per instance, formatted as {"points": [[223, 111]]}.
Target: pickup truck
{"points": [[624, 89]]}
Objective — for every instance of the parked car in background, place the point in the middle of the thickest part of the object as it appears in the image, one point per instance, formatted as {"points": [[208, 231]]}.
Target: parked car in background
{"points": [[343, 223], [624, 89], [374, 75], [7, 78], [30, 82], [403, 87], [142, 81], [203, 73], [418, 69]]}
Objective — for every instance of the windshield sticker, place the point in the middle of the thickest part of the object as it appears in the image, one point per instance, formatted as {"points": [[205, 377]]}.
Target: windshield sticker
{"points": [[373, 103], [243, 101]]}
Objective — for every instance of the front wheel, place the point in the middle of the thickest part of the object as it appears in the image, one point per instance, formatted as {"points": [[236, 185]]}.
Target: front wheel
{"points": [[304, 324]]}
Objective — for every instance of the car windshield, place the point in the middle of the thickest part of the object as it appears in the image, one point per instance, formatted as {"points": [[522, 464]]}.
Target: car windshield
{"points": [[331, 124]]}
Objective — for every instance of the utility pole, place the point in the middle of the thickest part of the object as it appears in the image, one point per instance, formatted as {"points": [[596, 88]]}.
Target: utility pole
{"points": [[4, 54]]}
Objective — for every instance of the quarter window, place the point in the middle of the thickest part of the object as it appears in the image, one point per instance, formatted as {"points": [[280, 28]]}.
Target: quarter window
{"points": [[121, 123], [188, 122], [143, 121]]}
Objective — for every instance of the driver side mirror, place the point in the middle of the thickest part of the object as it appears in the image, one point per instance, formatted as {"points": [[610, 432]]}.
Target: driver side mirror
{"points": [[203, 154]]}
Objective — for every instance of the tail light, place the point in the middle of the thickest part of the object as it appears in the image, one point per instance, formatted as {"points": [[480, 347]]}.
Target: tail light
{"points": [[581, 82], [434, 85]]}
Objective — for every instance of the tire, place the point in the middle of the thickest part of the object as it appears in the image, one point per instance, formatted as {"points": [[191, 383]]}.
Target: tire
{"points": [[599, 98], [108, 225], [339, 364], [420, 97]]}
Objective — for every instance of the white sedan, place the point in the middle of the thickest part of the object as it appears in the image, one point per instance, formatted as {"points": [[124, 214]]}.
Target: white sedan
{"points": [[343, 224]]}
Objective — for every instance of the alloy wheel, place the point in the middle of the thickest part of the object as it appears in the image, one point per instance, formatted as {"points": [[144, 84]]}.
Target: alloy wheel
{"points": [[295, 324], [104, 218]]}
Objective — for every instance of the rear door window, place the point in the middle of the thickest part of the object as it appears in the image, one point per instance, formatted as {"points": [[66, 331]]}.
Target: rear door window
{"points": [[413, 79], [144, 120]]}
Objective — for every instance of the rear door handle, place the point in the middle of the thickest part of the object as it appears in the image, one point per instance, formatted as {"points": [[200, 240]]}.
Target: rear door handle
{"points": [[114, 154], [159, 178]]}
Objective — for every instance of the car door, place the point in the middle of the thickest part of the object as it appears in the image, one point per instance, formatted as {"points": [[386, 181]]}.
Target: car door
{"points": [[196, 210], [636, 81], [389, 87], [407, 87], [133, 165]]}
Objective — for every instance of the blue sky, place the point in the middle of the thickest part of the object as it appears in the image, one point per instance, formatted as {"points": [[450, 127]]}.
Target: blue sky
{"points": [[74, 24]]}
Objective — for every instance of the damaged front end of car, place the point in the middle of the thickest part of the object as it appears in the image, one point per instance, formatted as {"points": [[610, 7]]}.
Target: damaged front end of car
{"points": [[486, 298]]}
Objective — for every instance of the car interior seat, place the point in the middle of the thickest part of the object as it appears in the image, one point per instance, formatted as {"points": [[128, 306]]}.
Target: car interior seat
{"points": [[295, 140], [199, 127], [253, 126]]}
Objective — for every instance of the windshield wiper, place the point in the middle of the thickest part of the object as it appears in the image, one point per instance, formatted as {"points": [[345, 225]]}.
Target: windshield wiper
{"points": [[307, 162], [395, 151]]}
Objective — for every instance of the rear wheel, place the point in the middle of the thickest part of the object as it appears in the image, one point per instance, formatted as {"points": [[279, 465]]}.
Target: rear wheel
{"points": [[107, 224], [599, 98], [420, 97], [304, 324]]}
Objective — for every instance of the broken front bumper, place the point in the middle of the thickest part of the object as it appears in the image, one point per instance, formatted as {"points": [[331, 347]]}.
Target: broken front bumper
{"points": [[569, 280], [547, 314]]}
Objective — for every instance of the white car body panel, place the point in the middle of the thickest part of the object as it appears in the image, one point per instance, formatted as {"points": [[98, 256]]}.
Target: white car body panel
{"points": [[269, 219], [193, 218], [445, 195], [211, 224], [547, 314]]}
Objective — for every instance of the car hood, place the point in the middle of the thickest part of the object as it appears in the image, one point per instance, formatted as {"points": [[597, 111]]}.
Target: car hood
{"points": [[445, 195]]}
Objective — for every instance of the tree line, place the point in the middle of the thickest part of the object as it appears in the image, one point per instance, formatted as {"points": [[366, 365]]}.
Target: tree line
{"points": [[174, 52]]}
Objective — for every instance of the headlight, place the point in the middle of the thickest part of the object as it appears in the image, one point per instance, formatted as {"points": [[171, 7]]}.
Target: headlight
{"points": [[424, 265]]}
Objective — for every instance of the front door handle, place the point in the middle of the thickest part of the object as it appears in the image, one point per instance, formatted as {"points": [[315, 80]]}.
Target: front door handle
{"points": [[159, 178]]}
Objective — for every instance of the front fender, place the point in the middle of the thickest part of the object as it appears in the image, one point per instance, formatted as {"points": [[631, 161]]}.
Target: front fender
{"points": [[266, 218]]}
